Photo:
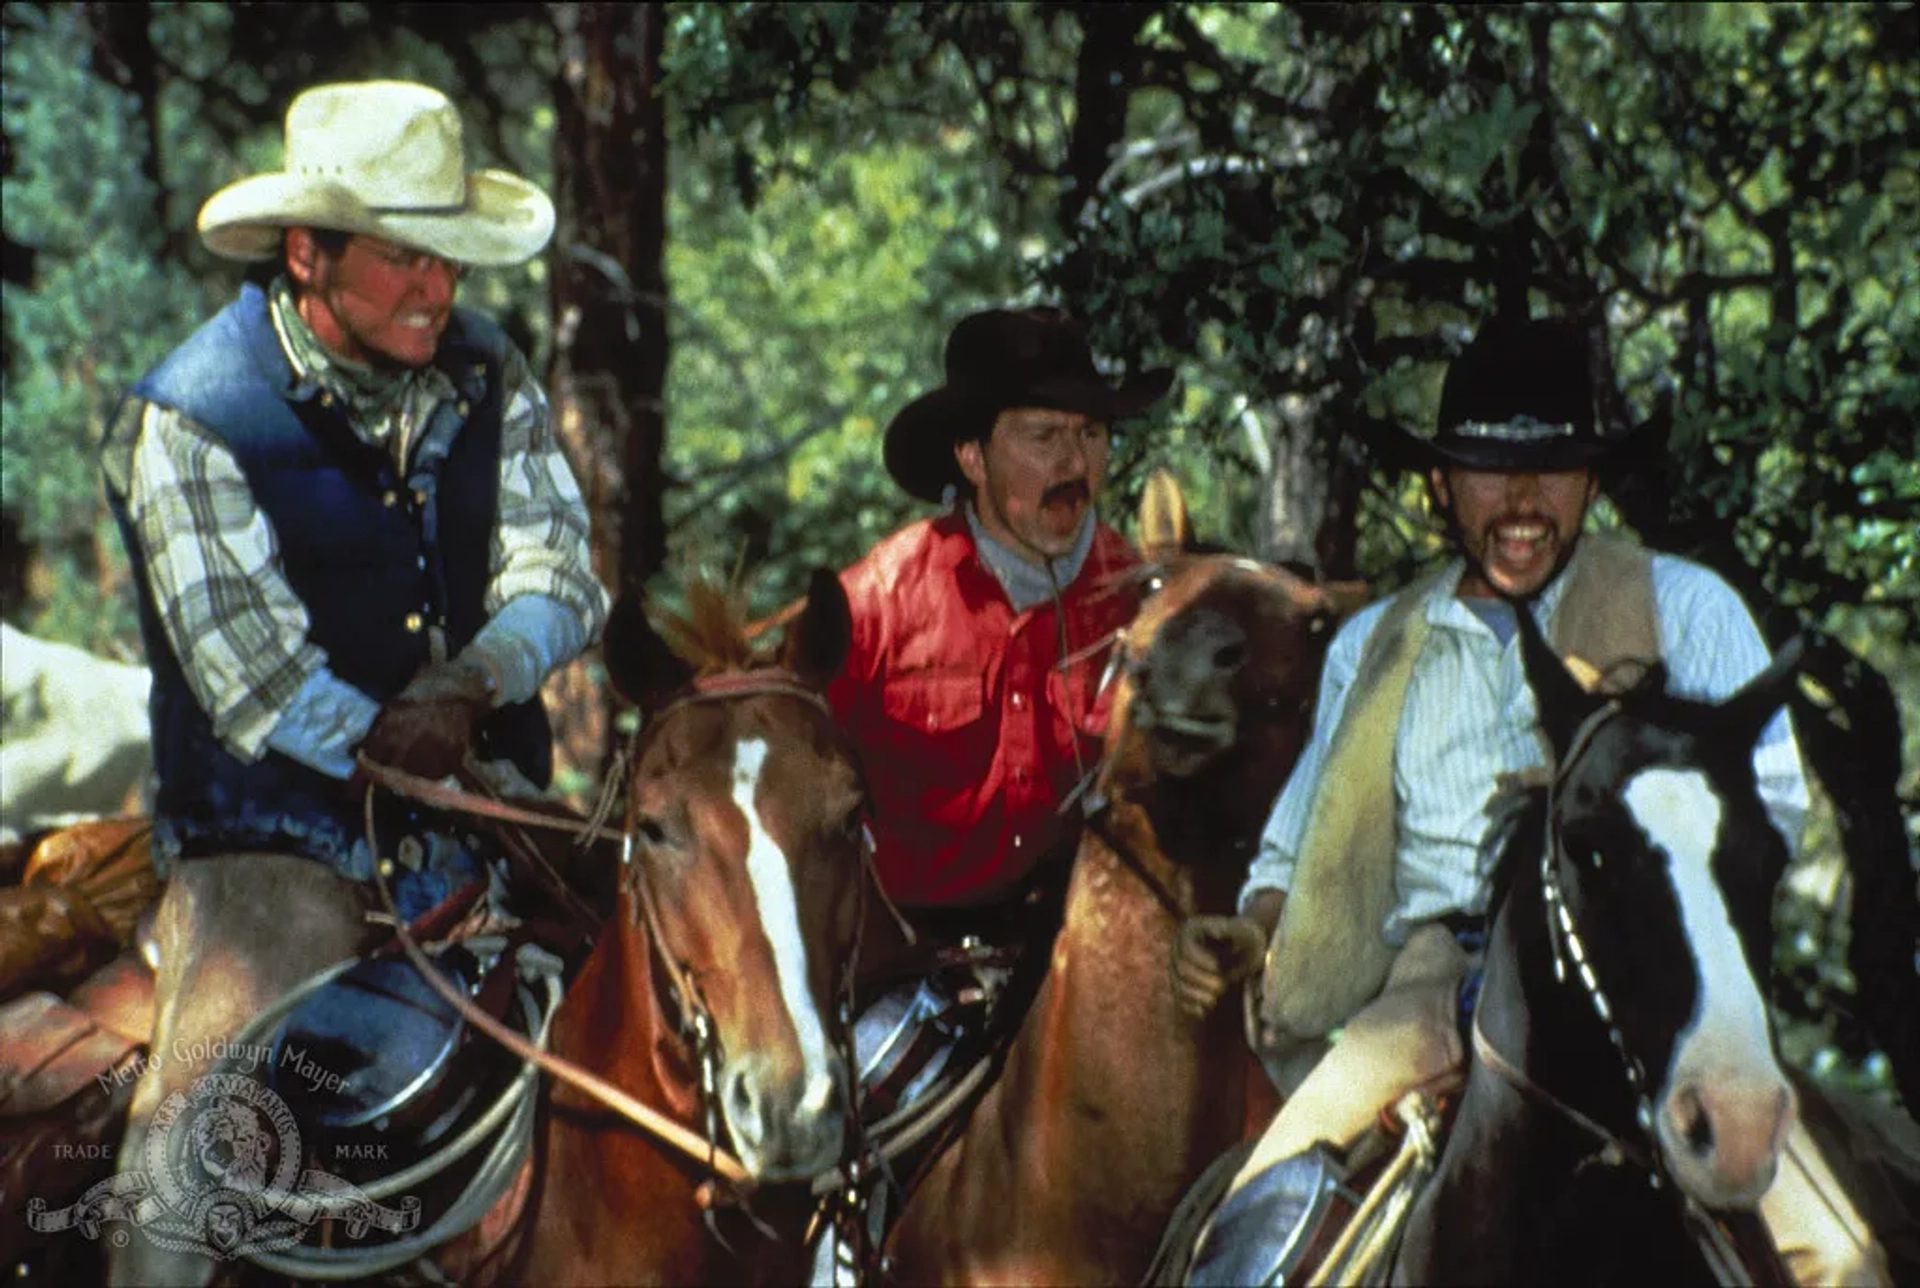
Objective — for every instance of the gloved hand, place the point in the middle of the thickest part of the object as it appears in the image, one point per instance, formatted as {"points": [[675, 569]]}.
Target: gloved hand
{"points": [[427, 727], [1210, 955]]}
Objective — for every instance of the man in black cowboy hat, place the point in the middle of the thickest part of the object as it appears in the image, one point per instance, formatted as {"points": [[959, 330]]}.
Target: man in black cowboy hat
{"points": [[972, 731], [1389, 782]]}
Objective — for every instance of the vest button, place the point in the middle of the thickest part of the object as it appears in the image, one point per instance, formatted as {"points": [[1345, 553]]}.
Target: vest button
{"points": [[461, 406], [419, 496], [390, 500], [414, 622], [326, 400]]}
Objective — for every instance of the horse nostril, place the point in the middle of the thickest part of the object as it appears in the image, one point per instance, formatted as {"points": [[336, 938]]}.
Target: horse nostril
{"points": [[1696, 1127], [740, 1099], [1231, 656]]}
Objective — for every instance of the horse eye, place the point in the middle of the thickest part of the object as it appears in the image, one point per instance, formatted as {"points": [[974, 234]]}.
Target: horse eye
{"points": [[1155, 584], [651, 830]]}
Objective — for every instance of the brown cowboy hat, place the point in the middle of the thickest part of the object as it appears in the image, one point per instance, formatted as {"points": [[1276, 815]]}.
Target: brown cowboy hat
{"points": [[999, 359], [1519, 398]]}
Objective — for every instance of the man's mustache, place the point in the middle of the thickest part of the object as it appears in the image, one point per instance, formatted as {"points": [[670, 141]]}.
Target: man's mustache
{"points": [[1076, 490]]}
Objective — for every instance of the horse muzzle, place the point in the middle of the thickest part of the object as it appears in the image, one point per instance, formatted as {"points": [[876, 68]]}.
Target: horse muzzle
{"points": [[1722, 1135], [785, 1126]]}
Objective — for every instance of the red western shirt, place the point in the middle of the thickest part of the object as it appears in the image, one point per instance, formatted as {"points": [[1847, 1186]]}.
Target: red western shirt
{"points": [[966, 728]]}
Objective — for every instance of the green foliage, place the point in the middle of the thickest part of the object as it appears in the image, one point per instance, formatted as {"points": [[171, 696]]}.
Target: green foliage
{"points": [[1307, 209], [102, 308]]}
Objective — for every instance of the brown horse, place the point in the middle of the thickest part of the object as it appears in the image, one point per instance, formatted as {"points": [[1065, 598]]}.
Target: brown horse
{"points": [[713, 996], [739, 903], [1111, 1102]]}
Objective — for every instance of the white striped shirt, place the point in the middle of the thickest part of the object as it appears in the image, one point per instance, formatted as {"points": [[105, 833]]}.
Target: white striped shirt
{"points": [[1470, 717]]}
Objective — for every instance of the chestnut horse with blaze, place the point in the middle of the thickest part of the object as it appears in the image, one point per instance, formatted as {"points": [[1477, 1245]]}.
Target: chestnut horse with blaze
{"points": [[1111, 1102], [739, 902]]}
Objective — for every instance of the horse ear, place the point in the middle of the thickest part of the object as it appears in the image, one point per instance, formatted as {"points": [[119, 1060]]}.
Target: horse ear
{"points": [[1165, 528], [641, 665], [818, 640], [1345, 598], [1747, 712], [1562, 703]]}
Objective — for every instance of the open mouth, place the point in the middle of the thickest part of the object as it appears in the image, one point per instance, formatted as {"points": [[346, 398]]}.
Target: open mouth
{"points": [[1520, 542], [1182, 744]]}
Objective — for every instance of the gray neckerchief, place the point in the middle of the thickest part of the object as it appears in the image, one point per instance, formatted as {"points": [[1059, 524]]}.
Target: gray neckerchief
{"points": [[377, 402], [1024, 581]]}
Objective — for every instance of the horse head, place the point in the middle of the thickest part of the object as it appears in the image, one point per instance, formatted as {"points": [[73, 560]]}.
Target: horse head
{"points": [[1659, 875], [1216, 673], [746, 828]]}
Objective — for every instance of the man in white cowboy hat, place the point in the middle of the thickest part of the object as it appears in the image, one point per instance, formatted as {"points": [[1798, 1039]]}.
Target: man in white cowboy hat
{"points": [[1402, 765], [972, 688], [352, 531]]}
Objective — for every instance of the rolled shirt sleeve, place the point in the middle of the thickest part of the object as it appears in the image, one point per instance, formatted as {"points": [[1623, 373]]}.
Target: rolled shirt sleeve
{"points": [[541, 549]]}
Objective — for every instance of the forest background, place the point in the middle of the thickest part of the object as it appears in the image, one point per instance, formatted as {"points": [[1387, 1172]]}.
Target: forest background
{"points": [[771, 214]]}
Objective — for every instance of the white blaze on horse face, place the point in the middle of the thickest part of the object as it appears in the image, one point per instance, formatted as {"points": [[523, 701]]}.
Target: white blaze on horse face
{"points": [[772, 881], [1727, 1033]]}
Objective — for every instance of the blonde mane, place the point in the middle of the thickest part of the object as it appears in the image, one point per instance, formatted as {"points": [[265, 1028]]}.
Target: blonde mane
{"points": [[711, 636]]}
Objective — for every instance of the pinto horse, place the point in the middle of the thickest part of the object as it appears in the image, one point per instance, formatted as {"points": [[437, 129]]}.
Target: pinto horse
{"points": [[1110, 1102], [1624, 1081], [715, 992]]}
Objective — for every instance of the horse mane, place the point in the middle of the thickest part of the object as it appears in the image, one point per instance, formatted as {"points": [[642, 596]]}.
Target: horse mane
{"points": [[1516, 829], [711, 635]]}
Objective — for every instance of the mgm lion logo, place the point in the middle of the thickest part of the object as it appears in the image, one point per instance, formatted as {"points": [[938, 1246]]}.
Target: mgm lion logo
{"points": [[222, 1177]]}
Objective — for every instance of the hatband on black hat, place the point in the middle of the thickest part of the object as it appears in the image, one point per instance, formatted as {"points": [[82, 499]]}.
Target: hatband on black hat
{"points": [[1518, 398]]}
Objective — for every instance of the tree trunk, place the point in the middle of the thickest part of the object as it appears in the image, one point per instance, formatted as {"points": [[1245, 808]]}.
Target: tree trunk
{"points": [[123, 56], [1102, 82], [608, 377]]}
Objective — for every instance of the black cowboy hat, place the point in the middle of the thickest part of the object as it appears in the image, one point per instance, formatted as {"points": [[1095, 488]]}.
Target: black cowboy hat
{"points": [[999, 359], [1518, 398]]}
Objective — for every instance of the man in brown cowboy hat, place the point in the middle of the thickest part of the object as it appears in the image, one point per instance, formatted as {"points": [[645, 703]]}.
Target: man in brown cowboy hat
{"points": [[352, 532], [972, 689], [1388, 778]]}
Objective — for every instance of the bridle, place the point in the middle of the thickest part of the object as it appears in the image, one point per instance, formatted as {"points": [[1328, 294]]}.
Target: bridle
{"points": [[694, 1020], [1570, 956], [1096, 806], [697, 1027]]}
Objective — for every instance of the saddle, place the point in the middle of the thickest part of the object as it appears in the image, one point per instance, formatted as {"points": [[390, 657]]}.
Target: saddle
{"points": [[1333, 1216], [1325, 1216], [81, 892], [925, 1048], [68, 1067], [68, 1064]]}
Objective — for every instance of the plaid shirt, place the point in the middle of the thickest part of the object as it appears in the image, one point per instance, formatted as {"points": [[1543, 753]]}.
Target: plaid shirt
{"points": [[234, 621]]}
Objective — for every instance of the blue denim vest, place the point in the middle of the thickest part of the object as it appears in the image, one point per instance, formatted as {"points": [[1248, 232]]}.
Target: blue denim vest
{"points": [[377, 558]]}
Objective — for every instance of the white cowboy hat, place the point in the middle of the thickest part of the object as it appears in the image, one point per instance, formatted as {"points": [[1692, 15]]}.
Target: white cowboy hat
{"points": [[383, 158]]}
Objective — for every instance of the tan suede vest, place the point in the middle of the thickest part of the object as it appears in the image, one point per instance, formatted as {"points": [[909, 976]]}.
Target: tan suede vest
{"points": [[1328, 957]]}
